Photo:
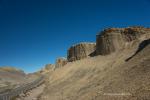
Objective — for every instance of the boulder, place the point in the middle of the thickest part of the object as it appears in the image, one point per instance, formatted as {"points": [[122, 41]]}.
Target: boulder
{"points": [[80, 51], [114, 39]]}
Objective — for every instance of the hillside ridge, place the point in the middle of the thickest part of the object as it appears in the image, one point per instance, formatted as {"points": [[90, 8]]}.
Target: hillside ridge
{"points": [[118, 70]]}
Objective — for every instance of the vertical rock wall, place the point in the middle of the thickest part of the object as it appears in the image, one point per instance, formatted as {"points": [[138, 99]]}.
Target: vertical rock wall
{"points": [[114, 39], [47, 68], [107, 43], [80, 51], [60, 62]]}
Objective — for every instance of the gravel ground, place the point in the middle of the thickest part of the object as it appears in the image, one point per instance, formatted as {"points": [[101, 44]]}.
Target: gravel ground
{"points": [[32, 94]]}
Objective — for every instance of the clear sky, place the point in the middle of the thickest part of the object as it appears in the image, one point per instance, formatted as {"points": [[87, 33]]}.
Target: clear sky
{"points": [[35, 32]]}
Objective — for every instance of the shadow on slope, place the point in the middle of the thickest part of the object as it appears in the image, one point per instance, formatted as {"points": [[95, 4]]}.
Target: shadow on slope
{"points": [[142, 45]]}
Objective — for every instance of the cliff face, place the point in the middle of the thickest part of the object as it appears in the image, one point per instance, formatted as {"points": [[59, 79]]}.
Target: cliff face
{"points": [[80, 51], [60, 62], [47, 68], [125, 72], [114, 39]]}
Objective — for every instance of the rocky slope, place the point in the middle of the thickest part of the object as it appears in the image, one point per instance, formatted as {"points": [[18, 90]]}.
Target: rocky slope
{"points": [[11, 78], [121, 71]]}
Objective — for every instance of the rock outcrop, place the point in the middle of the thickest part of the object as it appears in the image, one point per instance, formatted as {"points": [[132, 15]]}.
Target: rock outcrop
{"points": [[60, 62], [80, 51], [114, 39], [47, 68]]}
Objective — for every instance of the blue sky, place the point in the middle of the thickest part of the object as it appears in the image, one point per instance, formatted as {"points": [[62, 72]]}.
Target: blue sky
{"points": [[35, 32]]}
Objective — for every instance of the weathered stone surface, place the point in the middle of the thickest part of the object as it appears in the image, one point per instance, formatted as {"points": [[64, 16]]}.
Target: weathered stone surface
{"points": [[47, 68], [114, 39], [80, 51], [60, 62]]}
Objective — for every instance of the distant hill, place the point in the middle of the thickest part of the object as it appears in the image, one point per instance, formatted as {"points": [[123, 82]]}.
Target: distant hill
{"points": [[11, 69], [11, 73], [10, 77]]}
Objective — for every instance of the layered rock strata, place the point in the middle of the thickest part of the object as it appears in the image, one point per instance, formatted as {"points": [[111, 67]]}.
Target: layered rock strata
{"points": [[80, 51], [60, 62], [47, 68], [114, 39]]}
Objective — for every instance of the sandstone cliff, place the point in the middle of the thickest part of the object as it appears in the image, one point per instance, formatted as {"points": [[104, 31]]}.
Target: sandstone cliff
{"points": [[122, 75], [114, 39], [80, 51], [47, 68], [103, 77], [60, 62]]}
